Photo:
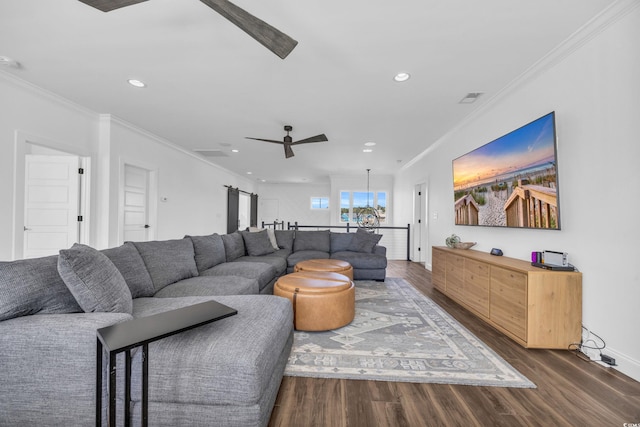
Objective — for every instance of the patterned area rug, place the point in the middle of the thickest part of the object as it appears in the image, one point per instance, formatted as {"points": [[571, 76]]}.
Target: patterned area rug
{"points": [[400, 335]]}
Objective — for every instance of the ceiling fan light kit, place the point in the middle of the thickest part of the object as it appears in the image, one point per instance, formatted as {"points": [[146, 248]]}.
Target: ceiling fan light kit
{"points": [[271, 38]]}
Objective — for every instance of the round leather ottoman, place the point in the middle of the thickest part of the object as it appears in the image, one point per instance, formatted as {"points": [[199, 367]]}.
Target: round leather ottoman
{"points": [[325, 265], [321, 300]]}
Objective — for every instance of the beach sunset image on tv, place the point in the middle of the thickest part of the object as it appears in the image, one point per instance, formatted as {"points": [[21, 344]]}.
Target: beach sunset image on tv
{"points": [[511, 181]]}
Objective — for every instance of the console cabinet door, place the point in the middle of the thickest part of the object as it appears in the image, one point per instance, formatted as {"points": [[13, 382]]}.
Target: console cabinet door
{"points": [[438, 275], [455, 277], [509, 301], [476, 286]]}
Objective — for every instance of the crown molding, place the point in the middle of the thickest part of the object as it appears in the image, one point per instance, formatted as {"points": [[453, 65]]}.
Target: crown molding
{"points": [[46, 94], [591, 29], [147, 134]]}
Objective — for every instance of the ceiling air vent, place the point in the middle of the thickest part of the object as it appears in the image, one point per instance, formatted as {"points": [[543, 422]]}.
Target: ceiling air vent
{"points": [[211, 152], [470, 97]]}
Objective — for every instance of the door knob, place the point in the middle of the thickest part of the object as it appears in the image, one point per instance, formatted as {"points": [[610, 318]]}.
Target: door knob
{"points": [[147, 226]]}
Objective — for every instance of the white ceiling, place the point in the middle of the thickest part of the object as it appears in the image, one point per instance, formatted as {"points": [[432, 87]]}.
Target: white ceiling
{"points": [[210, 85]]}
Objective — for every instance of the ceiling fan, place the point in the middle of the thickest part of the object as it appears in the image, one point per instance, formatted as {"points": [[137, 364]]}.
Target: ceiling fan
{"points": [[271, 38], [288, 141]]}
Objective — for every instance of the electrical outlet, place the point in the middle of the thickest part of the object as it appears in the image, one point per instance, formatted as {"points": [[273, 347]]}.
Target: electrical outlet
{"points": [[608, 360]]}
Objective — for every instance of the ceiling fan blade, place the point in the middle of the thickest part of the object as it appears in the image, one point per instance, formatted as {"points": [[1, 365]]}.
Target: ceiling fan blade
{"points": [[266, 140], [109, 5], [271, 38], [288, 152], [317, 138]]}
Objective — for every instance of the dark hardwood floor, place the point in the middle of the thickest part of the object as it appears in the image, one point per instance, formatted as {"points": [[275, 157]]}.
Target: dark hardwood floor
{"points": [[570, 391]]}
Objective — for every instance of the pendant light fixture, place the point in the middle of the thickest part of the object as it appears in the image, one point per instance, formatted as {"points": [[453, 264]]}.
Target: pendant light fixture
{"points": [[368, 217]]}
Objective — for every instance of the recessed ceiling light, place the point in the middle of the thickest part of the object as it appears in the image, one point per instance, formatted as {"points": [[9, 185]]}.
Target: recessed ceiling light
{"points": [[249, 173], [401, 77], [235, 151], [470, 97], [137, 83], [367, 150], [369, 144]]}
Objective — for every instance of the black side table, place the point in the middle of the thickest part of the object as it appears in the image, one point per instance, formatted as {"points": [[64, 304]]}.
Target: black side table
{"points": [[124, 336]]}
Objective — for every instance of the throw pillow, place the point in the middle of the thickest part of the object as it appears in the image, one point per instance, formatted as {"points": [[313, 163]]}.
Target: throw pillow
{"points": [[233, 245], [257, 243], [363, 241], [209, 251], [93, 280], [129, 263], [168, 261], [270, 232]]}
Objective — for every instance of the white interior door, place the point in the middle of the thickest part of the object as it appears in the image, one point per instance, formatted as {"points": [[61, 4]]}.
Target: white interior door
{"points": [[244, 211], [52, 187], [135, 207], [419, 218]]}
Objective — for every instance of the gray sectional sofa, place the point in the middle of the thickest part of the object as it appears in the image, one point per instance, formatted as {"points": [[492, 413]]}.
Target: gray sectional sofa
{"points": [[225, 373]]}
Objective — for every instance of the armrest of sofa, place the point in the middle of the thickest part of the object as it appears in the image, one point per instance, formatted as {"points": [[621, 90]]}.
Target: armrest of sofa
{"points": [[49, 366], [380, 250]]}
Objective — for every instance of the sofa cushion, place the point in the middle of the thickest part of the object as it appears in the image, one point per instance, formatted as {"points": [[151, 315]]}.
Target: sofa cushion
{"points": [[233, 245], [257, 243], [228, 362], [361, 260], [312, 241], [209, 251], [363, 241], [284, 239], [277, 260], [168, 261], [210, 286], [262, 272], [93, 280], [128, 261], [298, 256], [32, 286]]}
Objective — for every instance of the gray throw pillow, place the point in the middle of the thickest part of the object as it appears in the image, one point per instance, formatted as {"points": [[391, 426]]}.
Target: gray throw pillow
{"points": [[363, 241], [93, 280], [312, 241], [257, 243], [233, 245], [209, 251], [33, 286], [128, 261], [168, 261]]}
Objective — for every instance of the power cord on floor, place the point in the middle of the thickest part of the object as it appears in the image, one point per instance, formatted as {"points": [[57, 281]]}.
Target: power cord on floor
{"points": [[582, 348]]}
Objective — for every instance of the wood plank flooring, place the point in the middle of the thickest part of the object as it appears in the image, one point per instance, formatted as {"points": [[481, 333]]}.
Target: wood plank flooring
{"points": [[570, 391]]}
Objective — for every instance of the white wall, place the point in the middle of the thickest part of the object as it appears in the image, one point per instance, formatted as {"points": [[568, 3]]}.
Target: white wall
{"points": [[27, 115], [293, 202], [592, 83], [196, 196], [196, 199]]}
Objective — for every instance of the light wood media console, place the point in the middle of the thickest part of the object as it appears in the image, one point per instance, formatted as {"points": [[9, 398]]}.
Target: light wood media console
{"points": [[535, 307]]}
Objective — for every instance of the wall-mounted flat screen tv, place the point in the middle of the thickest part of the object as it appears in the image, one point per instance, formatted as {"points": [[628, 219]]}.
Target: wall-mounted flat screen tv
{"points": [[511, 181]]}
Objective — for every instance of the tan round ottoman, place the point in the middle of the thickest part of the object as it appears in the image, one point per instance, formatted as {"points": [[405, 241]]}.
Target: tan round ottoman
{"points": [[321, 300], [325, 265]]}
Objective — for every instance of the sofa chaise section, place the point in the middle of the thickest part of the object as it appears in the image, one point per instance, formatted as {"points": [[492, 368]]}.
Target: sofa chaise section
{"points": [[227, 372]]}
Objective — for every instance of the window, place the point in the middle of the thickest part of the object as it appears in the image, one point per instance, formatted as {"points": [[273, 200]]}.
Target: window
{"points": [[319, 203], [352, 201]]}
